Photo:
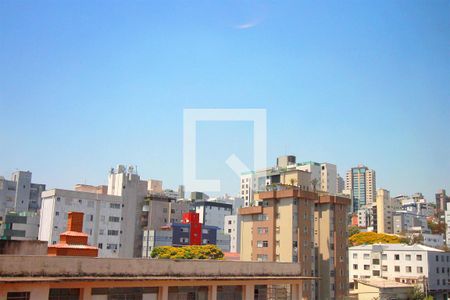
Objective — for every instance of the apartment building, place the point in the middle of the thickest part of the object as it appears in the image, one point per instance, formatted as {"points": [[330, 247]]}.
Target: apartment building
{"points": [[361, 182], [441, 200], [103, 219], [20, 226], [405, 221], [416, 264], [19, 194], [323, 176], [330, 242], [340, 184], [384, 212], [213, 213], [307, 176], [281, 228], [447, 221], [233, 229], [126, 183]]}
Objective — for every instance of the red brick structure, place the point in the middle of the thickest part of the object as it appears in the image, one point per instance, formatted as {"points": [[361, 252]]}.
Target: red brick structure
{"points": [[193, 219], [73, 242]]}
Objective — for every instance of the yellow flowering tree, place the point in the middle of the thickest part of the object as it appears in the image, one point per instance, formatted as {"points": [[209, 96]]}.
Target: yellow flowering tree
{"points": [[187, 252]]}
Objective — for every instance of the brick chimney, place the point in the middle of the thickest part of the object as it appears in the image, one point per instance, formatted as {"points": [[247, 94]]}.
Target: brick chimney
{"points": [[73, 242]]}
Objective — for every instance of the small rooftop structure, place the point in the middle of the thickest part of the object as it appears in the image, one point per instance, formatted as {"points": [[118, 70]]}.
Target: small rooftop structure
{"points": [[382, 289], [73, 242]]}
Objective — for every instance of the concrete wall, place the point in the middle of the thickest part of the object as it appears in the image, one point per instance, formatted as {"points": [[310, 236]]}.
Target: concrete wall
{"points": [[23, 247], [82, 266]]}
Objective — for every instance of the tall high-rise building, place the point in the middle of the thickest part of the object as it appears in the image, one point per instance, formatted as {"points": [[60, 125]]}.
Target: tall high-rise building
{"points": [[441, 200], [384, 212], [330, 241], [308, 176], [292, 225], [281, 229], [361, 181], [19, 194], [340, 184]]}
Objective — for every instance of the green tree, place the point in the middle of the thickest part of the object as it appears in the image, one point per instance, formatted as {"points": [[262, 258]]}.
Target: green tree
{"points": [[352, 230], [419, 294]]}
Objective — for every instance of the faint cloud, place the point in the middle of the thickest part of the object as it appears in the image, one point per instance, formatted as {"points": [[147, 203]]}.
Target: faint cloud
{"points": [[248, 25]]}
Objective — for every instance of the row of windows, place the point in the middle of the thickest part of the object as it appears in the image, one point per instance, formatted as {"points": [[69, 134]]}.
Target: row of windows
{"points": [[408, 269], [407, 257]]}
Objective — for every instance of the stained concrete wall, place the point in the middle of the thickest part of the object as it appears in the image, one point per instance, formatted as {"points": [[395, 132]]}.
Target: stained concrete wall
{"points": [[23, 247], [82, 266]]}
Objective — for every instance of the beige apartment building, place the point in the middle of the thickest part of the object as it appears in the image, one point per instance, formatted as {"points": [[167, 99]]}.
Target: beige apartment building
{"points": [[281, 229], [385, 211], [330, 241]]}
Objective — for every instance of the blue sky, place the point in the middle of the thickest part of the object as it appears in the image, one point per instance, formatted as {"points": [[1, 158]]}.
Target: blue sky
{"points": [[85, 85]]}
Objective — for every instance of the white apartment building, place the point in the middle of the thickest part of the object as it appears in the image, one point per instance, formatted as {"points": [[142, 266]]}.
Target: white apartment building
{"points": [[247, 188], [19, 194], [447, 221], [416, 264], [103, 219], [318, 176], [233, 229], [405, 221], [112, 216], [325, 174], [213, 213]]}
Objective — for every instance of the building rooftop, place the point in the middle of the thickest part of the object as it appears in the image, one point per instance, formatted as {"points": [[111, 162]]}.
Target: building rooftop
{"points": [[14, 268], [395, 247], [384, 283]]}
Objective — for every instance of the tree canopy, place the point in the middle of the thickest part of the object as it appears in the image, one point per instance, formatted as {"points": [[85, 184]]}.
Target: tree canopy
{"points": [[187, 252], [367, 238]]}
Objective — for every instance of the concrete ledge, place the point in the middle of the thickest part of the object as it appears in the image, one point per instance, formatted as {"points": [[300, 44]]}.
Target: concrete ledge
{"points": [[51, 266]]}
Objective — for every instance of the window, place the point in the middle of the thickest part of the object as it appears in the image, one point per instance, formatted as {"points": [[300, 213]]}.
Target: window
{"points": [[263, 230], [384, 268], [260, 217], [206, 231], [375, 261], [397, 256], [355, 267], [64, 294], [419, 257], [57, 213], [397, 268], [261, 257], [100, 245], [113, 232], [184, 240], [111, 246], [262, 244], [419, 270], [366, 267], [366, 256], [184, 229], [383, 256], [18, 296], [355, 255], [101, 232], [408, 257], [114, 205], [408, 269], [376, 272], [114, 219]]}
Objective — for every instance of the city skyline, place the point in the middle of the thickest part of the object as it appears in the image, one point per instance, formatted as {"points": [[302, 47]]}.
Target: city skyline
{"points": [[83, 89]]}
